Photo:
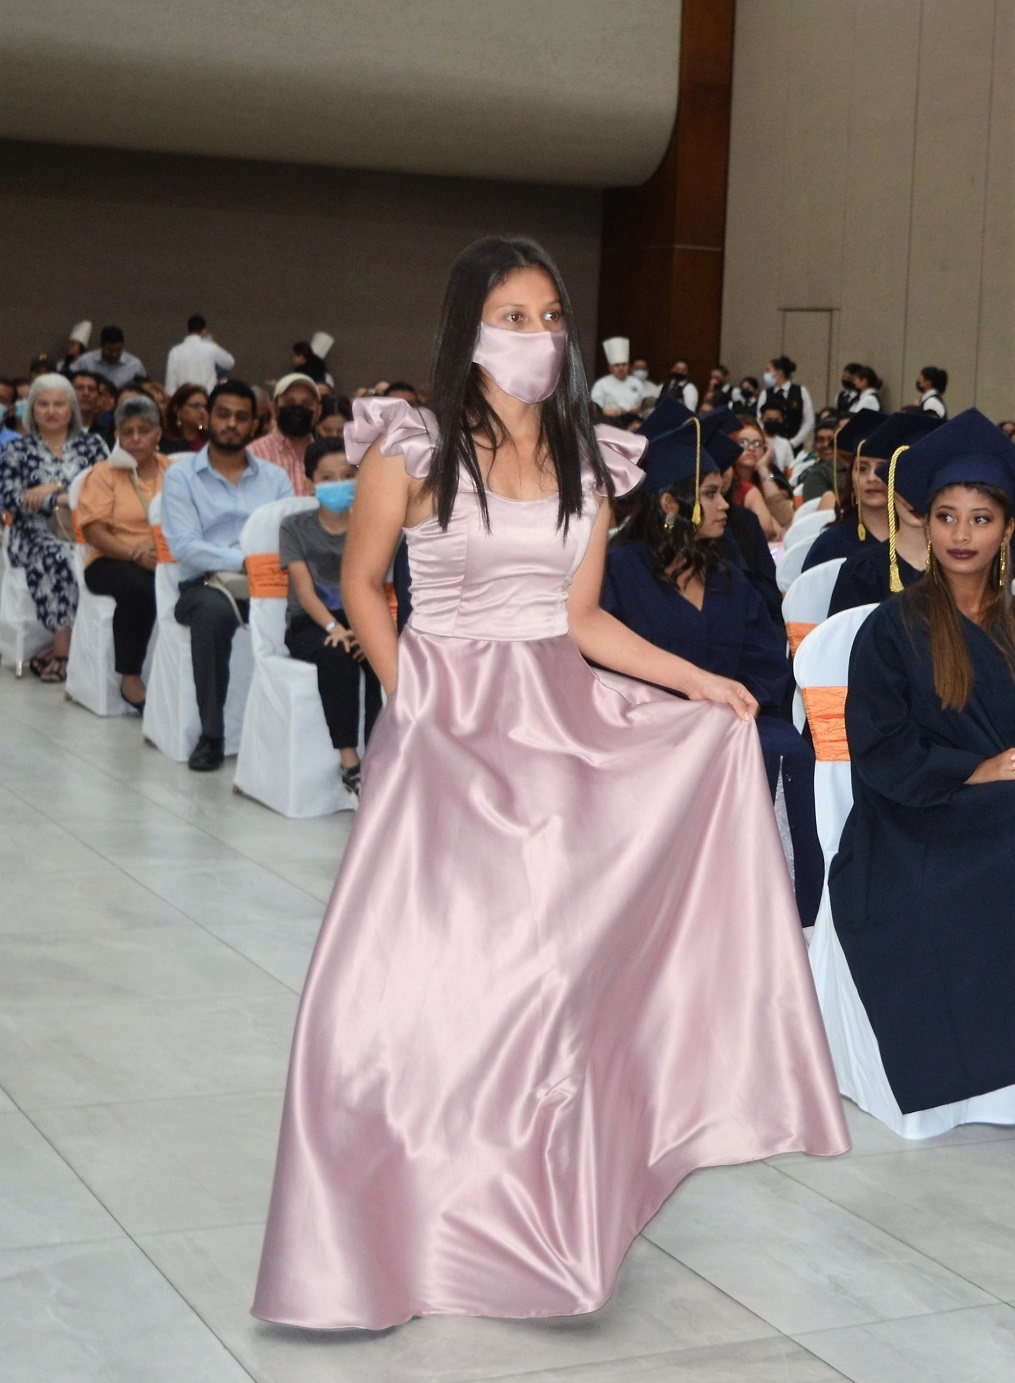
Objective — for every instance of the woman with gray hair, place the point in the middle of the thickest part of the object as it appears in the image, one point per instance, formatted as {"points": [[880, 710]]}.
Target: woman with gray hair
{"points": [[35, 472], [112, 513]]}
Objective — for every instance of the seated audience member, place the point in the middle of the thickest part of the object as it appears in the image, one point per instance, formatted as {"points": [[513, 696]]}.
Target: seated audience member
{"points": [[758, 485], [868, 384], [87, 387], [306, 361], [743, 544], [669, 581], [401, 390], [186, 420], [35, 473], [880, 570], [1007, 426], [310, 549], [8, 402], [264, 419], [922, 885], [335, 413], [157, 392], [206, 500], [773, 421], [846, 535], [112, 513], [826, 473], [107, 395], [297, 406], [719, 383], [931, 384], [111, 361], [197, 359]]}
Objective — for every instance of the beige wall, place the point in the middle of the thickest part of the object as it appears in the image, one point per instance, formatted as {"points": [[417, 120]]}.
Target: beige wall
{"points": [[268, 253], [871, 210]]}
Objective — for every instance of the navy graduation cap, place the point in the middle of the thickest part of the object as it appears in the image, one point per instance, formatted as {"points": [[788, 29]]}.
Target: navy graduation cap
{"points": [[676, 457], [893, 440], [853, 434], [668, 414]]}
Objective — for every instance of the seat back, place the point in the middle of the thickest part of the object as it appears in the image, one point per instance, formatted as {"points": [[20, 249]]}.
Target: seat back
{"points": [[806, 601], [806, 507], [269, 584], [809, 526], [167, 573], [791, 563], [821, 668]]}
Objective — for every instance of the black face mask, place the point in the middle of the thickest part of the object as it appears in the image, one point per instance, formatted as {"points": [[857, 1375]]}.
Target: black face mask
{"points": [[772, 426], [295, 420], [920, 387], [848, 386]]}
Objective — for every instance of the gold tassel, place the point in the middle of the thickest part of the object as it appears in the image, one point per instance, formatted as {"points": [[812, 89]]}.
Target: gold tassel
{"points": [[696, 512], [835, 463], [861, 531], [894, 579]]}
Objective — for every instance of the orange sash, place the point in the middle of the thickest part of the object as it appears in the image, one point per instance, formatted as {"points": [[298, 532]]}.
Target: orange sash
{"points": [[826, 716], [161, 546], [268, 580], [796, 632]]}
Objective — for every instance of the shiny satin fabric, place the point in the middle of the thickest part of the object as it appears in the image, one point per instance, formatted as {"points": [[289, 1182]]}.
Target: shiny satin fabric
{"points": [[525, 364], [540, 996]]}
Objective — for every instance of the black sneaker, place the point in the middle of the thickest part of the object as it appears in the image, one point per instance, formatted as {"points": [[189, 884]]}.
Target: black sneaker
{"points": [[351, 783], [208, 755]]}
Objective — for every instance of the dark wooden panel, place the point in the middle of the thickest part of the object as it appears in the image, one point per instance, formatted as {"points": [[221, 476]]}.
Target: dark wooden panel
{"points": [[662, 259]]}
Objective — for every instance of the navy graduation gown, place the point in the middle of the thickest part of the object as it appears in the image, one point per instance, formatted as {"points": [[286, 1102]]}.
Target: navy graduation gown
{"points": [[731, 635], [923, 884], [865, 578], [837, 540], [745, 547]]}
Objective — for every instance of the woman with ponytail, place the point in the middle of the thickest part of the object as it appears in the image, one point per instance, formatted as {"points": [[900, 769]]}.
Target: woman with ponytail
{"points": [[922, 885]]}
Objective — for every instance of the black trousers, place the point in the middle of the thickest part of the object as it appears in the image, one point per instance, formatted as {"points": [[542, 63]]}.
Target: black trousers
{"points": [[338, 678], [133, 589], [212, 621]]}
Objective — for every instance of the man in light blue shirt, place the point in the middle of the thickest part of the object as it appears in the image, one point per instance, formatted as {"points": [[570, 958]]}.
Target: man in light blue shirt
{"points": [[206, 500]]}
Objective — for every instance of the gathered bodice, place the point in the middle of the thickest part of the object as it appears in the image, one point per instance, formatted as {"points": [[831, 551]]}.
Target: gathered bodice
{"points": [[510, 580]]}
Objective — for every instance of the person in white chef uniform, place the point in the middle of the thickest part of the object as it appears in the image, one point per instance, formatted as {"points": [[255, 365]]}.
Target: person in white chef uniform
{"points": [[619, 391]]}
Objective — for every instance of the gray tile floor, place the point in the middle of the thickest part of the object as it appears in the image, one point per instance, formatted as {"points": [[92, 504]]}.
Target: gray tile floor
{"points": [[154, 931]]}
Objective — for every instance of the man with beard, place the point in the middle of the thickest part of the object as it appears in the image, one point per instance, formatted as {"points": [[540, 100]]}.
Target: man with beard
{"points": [[297, 409], [206, 499]]}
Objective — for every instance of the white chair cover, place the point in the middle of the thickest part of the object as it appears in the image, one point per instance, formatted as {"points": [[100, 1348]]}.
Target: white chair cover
{"points": [[92, 679], [807, 527], [808, 507], [789, 566], [823, 661], [171, 719], [286, 758], [805, 606], [21, 634]]}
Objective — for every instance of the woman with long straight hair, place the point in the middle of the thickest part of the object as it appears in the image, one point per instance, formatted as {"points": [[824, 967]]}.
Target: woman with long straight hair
{"points": [[922, 886], [500, 1070]]}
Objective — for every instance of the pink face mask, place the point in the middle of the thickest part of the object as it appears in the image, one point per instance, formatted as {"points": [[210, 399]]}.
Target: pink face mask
{"points": [[525, 364]]}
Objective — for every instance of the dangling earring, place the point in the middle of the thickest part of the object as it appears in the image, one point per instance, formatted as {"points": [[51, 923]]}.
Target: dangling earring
{"points": [[669, 521], [1002, 562], [930, 560]]}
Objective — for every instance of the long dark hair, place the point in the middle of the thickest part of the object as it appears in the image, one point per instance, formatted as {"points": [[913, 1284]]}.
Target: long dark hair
{"points": [[462, 409], [930, 603], [677, 546]]}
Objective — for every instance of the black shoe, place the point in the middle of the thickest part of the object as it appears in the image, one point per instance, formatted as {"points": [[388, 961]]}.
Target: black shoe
{"points": [[351, 782], [134, 705], [207, 756]]}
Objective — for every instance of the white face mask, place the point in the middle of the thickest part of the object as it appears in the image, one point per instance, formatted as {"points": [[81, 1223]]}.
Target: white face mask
{"points": [[640, 374], [120, 460], [769, 380]]}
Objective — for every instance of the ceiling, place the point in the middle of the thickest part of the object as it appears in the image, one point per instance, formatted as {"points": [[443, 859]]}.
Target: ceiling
{"points": [[578, 92]]}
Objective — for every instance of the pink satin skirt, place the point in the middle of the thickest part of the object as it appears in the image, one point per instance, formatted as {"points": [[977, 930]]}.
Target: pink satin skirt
{"points": [[561, 969]]}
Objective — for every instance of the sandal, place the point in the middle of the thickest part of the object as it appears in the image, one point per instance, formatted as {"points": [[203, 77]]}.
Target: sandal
{"points": [[41, 660], [55, 671]]}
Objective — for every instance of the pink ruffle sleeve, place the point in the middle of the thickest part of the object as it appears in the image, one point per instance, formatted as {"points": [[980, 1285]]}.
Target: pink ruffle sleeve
{"points": [[403, 430], [621, 451]]}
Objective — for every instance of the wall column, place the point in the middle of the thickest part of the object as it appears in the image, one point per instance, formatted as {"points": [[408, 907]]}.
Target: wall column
{"points": [[661, 274]]}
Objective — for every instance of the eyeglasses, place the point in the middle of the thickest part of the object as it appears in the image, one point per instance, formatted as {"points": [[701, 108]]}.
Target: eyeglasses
{"points": [[756, 445]]}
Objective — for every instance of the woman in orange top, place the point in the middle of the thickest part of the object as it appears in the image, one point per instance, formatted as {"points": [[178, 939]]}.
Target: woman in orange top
{"points": [[112, 512]]}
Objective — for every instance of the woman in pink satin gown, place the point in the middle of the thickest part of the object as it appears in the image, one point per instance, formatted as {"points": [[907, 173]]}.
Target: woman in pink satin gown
{"points": [[541, 996]]}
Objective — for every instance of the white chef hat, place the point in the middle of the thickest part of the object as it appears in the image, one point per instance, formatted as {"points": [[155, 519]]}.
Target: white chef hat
{"points": [[617, 350], [321, 343], [81, 331]]}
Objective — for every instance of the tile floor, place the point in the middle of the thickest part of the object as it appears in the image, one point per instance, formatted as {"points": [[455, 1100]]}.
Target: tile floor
{"points": [[154, 931]]}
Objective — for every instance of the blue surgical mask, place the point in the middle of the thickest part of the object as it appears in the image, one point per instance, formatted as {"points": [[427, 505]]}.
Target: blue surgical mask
{"points": [[769, 380], [640, 374], [21, 408], [335, 495]]}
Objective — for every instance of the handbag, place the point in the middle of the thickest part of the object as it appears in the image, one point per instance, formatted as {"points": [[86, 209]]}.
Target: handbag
{"points": [[61, 523], [234, 585]]}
